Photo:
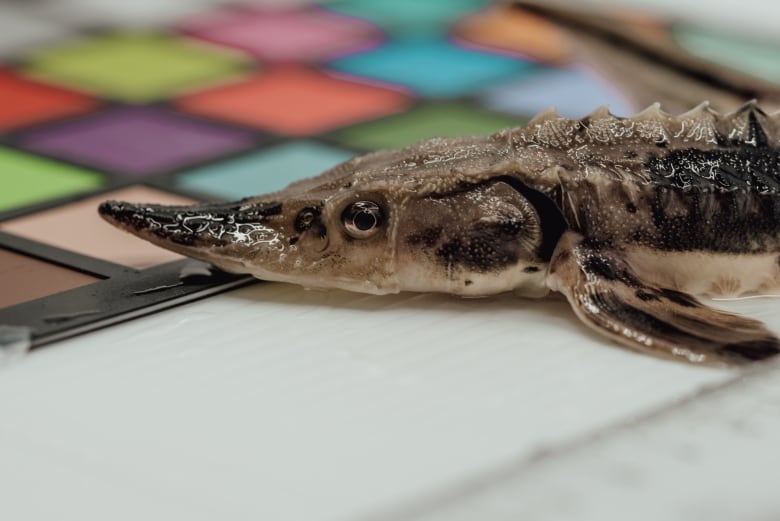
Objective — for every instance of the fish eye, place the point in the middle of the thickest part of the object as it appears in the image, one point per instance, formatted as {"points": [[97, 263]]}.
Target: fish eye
{"points": [[362, 219]]}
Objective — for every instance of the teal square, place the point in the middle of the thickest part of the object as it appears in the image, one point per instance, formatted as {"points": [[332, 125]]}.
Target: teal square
{"points": [[409, 17], [433, 68], [263, 171]]}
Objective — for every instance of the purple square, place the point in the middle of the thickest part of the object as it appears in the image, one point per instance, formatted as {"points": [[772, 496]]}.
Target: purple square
{"points": [[284, 35], [136, 140]]}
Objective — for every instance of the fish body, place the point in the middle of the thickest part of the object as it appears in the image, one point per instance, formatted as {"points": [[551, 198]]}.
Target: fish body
{"points": [[629, 218]]}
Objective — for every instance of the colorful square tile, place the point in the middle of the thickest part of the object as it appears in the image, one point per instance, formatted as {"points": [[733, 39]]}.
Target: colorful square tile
{"points": [[430, 120], [573, 93], [24, 278], [405, 17], [27, 179], [284, 35], [263, 171], [136, 141], [433, 68], [25, 102], [755, 56], [77, 227], [295, 101], [136, 67], [516, 30]]}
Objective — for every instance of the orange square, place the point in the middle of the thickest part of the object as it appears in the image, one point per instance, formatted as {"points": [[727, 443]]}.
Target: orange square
{"points": [[295, 101], [25, 101]]}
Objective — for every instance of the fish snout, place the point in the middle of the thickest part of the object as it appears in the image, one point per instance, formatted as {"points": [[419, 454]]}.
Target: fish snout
{"points": [[202, 225]]}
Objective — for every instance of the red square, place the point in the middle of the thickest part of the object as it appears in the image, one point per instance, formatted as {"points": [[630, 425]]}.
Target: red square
{"points": [[25, 102], [296, 101]]}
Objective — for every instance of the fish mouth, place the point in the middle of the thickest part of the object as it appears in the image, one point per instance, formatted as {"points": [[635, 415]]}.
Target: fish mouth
{"points": [[209, 225]]}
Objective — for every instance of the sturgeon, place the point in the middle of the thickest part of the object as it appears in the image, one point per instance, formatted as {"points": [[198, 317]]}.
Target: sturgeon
{"points": [[631, 219]]}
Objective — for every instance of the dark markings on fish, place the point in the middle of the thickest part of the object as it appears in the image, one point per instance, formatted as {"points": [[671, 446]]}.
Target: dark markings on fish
{"points": [[645, 295], [631, 208], [657, 294], [549, 213], [264, 210], [723, 222], [683, 299], [757, 137], [427, 237], [244, 210], [744, 168], [752, 350], [605, 269], [641, 319], [531, 269], [484, 247]]}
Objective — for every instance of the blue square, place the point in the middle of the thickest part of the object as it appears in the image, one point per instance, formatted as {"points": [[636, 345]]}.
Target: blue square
{"points": [[573, 93], [264, 171], [433, 68]]}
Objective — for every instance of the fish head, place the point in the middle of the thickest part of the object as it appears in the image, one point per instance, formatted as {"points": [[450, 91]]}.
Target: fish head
{"points": [[431, 217]]}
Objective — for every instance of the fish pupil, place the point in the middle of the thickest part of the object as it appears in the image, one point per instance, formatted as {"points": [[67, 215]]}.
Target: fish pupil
{"points": [[365, 220]]}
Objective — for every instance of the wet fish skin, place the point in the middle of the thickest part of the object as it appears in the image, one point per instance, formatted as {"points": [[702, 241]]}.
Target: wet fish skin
{"points": [[629, 218]]}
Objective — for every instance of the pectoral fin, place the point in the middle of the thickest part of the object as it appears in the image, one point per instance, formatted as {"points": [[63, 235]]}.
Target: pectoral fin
{"points": [[610, 297]]}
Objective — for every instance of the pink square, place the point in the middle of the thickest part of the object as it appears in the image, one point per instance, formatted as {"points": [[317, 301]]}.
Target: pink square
{"points": [[284, 35]]}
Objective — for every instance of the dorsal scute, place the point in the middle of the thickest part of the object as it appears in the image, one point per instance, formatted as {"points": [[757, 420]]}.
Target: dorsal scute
{"points": [[600, 127], [548, 114], [599, 113], [702, 126], [701, 111], [698, 126], [652, 113], [750, 125]]}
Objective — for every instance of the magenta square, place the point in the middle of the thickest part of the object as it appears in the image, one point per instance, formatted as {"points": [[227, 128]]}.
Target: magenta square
{"points": [[136, 140], [284, 35]]}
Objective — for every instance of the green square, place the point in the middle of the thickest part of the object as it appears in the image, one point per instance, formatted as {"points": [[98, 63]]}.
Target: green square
{"points": [[28, 179], [744, 53], [430, 120], [136, 67]]}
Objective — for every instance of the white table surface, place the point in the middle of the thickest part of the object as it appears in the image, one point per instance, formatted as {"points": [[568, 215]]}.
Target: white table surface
{"points": [[273, 402]]}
